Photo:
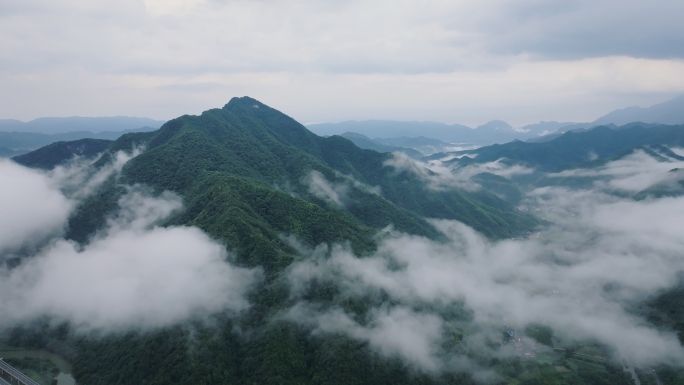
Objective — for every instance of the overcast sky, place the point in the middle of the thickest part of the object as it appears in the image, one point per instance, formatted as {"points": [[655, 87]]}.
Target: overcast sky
{"points": [[325, 61]]}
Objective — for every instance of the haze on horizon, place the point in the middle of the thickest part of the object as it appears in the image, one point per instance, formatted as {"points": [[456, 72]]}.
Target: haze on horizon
{"points": [[461, 62]]}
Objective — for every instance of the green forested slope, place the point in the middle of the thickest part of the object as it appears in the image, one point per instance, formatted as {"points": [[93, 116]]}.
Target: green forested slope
{"points": [[257, 147]]}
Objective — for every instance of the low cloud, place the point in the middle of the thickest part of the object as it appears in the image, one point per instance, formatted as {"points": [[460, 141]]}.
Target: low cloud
{"points": [[320, 187], [435, 175], [632, 173], [395, 332], [79, 179], [336, 192], [133, 274], [439, 176]]}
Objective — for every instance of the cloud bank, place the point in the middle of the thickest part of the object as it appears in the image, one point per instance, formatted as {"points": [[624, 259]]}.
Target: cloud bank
{"points": [[32, 207], [133, 274]]}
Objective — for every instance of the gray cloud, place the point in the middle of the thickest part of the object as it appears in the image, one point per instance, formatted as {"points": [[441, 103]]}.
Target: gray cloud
{"points": [[451, 61], [582, 29]]}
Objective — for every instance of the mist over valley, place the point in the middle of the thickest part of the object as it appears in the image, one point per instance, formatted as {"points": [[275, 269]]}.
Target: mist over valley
{"points": [[306, 192], [239, 232]]}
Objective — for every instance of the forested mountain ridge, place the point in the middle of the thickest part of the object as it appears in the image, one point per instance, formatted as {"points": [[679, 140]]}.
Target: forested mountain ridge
{"points": [[246, 174], [263, 148]]}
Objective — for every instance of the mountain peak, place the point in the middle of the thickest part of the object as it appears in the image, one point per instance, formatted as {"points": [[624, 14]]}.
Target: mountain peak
{"points": [[498, 125], [244, 101]]}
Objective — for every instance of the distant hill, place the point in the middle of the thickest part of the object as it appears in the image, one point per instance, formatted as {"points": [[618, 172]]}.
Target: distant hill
{"points": [[367, 143], [76, 123], [60, 152], [546, 128], [8, 152], [669, 112], [574, 148], [391, 129], [17, 143], [424, 145], [495, 131]]}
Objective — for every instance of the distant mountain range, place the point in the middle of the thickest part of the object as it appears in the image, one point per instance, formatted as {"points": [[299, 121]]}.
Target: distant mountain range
{"points": [[488, 133], [669, 112], [413, 138], [573, 149], [77, 123], [17, 143], [497, 131], [413, 147]]}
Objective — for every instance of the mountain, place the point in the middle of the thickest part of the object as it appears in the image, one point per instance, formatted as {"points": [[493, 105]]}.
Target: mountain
{"points": [[367, 143], [22, 142], [495, 126], [669, 112], [253, 147], [77, 123]]}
